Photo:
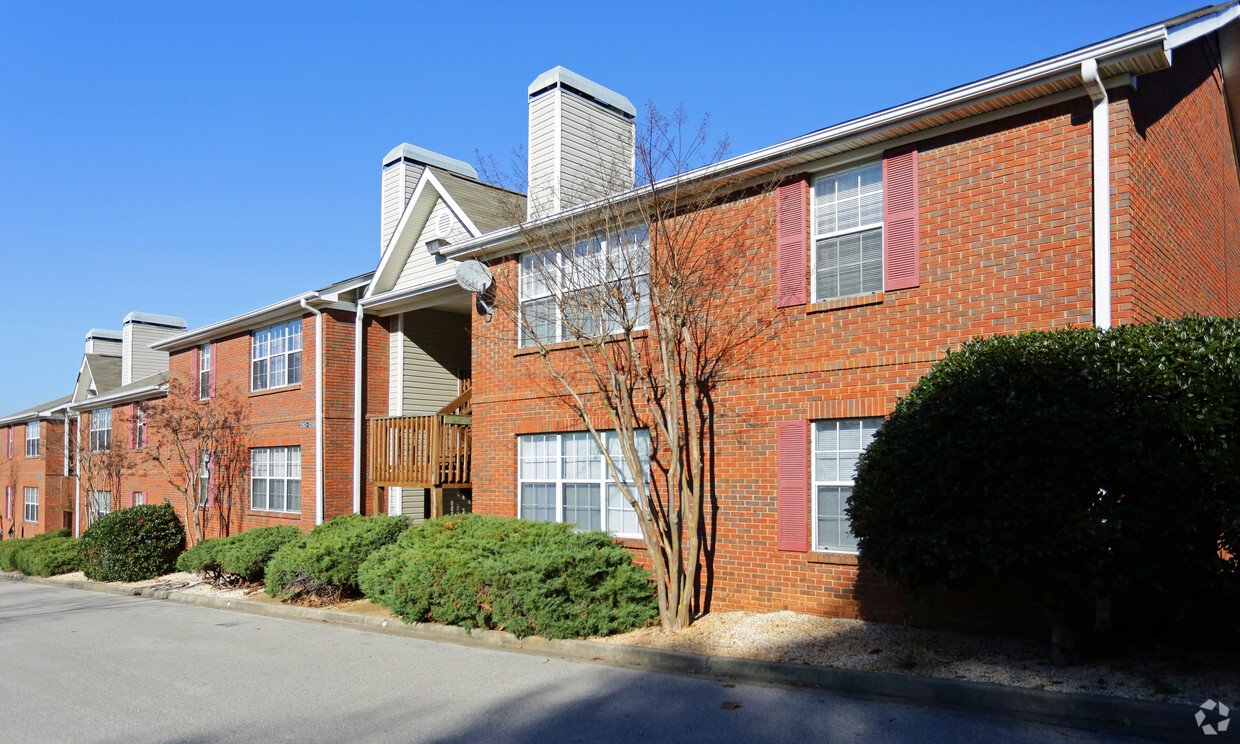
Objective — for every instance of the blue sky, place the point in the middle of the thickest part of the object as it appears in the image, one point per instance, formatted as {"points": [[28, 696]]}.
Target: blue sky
{"points": [[205, 159]]}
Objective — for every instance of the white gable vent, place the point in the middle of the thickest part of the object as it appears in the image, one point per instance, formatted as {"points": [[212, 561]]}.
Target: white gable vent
{"points": [[443, 226]]}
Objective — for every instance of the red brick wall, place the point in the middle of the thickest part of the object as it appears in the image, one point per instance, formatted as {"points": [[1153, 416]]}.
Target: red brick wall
{"points": [[44, 472], [1006, 246], [1177, 200]]}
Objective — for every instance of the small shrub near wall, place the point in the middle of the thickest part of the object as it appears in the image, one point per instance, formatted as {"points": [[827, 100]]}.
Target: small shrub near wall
{"points": [[240, 558], [49, 557], [323, 564], [9, 549], [524, 577], [133, 544]]}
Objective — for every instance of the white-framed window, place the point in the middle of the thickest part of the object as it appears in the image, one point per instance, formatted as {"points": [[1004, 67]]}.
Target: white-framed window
{"points": [[8, 433], [837, 445], [32, 504], [204, 481], [102, 501], [32, 439], [565, 478], [847, 223], [139, 427], [101, 429], [275, 356], [204, 371], [275, 479], [139, 498], [594, 288], [8, 502]]}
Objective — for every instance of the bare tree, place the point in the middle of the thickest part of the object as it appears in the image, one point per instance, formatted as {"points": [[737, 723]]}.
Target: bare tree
{"points": [[631, 303], [202, 447], [101, 461]]}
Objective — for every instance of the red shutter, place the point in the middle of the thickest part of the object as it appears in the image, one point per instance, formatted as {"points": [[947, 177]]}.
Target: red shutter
{"points": [[133, 426], [792, 486], [215, 352], [901, 255], [194, 376], [791, 242]]}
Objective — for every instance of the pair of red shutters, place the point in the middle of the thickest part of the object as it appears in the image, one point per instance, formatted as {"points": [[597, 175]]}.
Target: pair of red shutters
{"points": [[901, 270]]}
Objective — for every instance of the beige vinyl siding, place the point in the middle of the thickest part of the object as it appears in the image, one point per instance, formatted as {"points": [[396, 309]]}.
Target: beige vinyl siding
{"points": [[544, 113], [596, 151], [422, 266], [399, 180], [413, 505], [435, 353], [105, 346], [138, 361]]}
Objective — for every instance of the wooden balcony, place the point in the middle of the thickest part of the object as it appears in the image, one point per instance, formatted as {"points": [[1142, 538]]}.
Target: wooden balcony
{"points": [[423, 451]]}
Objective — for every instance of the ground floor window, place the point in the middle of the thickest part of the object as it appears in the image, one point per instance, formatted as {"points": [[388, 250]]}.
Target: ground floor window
{"points": [[101, 501], [275, 479], [565, 478], [837, 445], [139, 498], [32, 504]]}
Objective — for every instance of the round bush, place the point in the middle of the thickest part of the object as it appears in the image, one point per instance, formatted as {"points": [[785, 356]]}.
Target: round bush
{"points": [[524, 577], [323, 564], [49, 557], [133, 544]]}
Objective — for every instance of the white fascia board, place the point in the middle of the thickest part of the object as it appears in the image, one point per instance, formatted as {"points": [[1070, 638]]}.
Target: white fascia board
{"points": [[113, 399], [1063, 66], [1198, 27], [401, 226], [237, 323], [470, 227], [426, 291]]}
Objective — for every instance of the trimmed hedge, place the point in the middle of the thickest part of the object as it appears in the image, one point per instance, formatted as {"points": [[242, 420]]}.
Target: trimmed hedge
{"points": [[9, 549], [323, 564], [524, 577], [49, 557], [237, 558], [133, 544]]}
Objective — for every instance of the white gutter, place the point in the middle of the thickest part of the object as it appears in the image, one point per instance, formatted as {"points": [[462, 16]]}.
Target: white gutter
{"points": [[359, 344], [318, 409], [1101, 127]]}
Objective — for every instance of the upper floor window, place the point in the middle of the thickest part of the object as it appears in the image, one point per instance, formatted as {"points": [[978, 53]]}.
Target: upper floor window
{"points": [[565, 478], [598, 287], [139, 427], [32, 439], [275, 358], [101, 429], [847, 225], [838, 443], [204, 371]]}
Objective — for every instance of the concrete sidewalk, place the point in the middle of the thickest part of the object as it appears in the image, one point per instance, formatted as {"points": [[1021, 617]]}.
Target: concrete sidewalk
{"points": [[1109, 714]]}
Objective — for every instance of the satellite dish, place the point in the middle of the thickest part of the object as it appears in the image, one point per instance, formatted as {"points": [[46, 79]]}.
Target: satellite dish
{"points": [[473, 276]]}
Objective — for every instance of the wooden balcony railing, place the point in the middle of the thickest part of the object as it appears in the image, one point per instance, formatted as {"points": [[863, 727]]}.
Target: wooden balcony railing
{"points": [[423, 451]]}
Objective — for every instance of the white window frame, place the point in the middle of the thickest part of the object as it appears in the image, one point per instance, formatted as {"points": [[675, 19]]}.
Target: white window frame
{"points": [[204, 372], [102, 501], [32, 442], [261, 466], [276, 351], [139, 424], [139, 498], [825, 474], [8, 502], [30, 504], [819, 182], [204, 480], [589, 264], [535, 470], [101, 430]]}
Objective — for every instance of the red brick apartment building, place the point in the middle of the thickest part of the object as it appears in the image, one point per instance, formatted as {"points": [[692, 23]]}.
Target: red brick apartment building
{"points": [[1096, 187]]}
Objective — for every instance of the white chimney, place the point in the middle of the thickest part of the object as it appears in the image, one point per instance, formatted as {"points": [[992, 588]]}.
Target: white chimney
{"points": [[107, 343], [401, 169], [140, 329], [581, 142]]}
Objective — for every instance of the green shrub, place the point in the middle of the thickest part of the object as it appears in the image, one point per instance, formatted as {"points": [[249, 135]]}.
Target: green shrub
{"points": [[240, 558], [133, 544], [1080, 464], [524, 577], [324, 563], [10, 548], [49, 557]]}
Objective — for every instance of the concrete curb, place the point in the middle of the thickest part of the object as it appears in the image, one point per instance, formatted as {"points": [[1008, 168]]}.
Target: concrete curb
{"points": [[1162, 721]]}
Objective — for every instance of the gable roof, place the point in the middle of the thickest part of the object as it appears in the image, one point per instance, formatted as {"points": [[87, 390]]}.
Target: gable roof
{"points": [[151, 386], [102, 374], [1119, 60], [43, 410]]}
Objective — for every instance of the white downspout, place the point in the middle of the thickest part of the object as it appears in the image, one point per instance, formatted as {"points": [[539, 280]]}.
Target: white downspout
{"points": [[1102, 192], [359, 334], [318, 410]]}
